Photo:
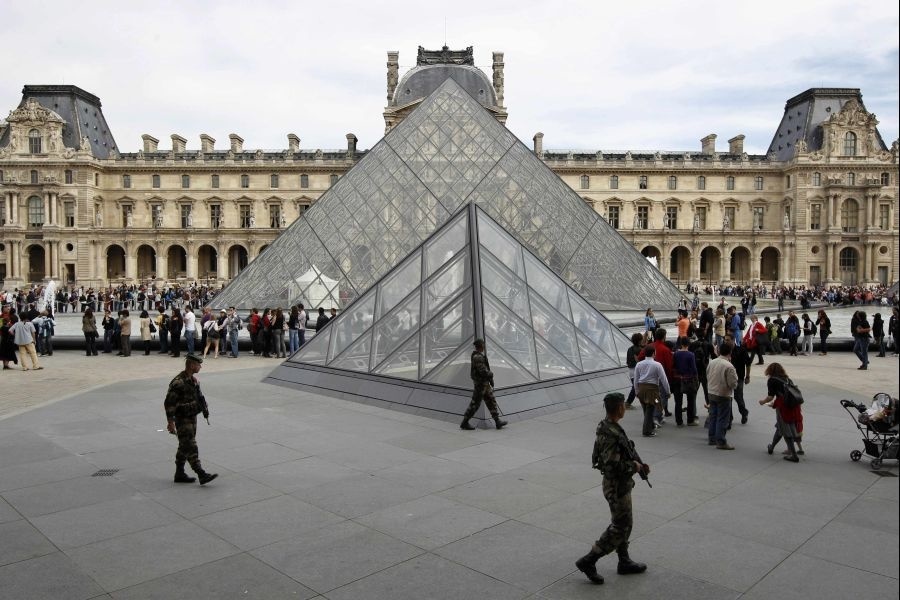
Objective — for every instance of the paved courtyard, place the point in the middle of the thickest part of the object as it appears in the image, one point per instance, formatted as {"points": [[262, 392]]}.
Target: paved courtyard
{"points": [[323, 498]]}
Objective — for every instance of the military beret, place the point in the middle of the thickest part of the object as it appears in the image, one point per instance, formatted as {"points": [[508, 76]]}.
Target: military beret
{"points": [[194, 357]]}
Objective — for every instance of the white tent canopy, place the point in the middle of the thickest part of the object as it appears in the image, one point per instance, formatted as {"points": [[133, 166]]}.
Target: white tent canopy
{"points": [[318, 289]]}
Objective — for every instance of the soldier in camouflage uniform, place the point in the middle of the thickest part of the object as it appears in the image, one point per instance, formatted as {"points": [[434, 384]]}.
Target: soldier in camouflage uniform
{"points": [[184, 401], [483, 380], [612, 458]]}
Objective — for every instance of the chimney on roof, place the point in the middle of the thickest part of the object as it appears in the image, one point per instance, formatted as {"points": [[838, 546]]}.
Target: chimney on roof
{"points": [[351, 144], [293, 142], [178, 143], [708, 144], [538, 144], [237, 142], [150, 143], [207, 143], [736, 144]]}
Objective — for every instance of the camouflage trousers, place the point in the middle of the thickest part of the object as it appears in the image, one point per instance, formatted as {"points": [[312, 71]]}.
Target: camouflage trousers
{"points": [[616, 535], [186, 430], [483, 391]]}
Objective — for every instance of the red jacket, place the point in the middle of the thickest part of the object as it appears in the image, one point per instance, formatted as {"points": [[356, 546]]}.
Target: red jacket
{"points": [[663, 356]]}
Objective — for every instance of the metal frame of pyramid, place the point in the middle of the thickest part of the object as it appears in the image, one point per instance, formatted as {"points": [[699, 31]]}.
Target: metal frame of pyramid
{"points": [[406, 343], [448, 152]]}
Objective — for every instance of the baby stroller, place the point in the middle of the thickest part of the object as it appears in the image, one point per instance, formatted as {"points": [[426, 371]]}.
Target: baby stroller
{"points": [[878, 426]]}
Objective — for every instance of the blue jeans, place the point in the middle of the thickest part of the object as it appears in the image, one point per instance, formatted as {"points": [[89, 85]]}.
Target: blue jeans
{"points": [[233, 340], [189, 338], [293, 340], [719, 418], [861, 349]]}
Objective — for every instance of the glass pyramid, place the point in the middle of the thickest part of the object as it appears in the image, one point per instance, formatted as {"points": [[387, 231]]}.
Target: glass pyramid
{"points": [[448, 152], [469, 279]]}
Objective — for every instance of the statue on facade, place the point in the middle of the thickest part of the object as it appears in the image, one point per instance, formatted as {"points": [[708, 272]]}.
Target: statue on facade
{"points": [[157, 216], [190, 219], [252, 220], [801, 147], [85, 144], [696, 221], [98, 219], [787, 220], [129, 217], [55, 140], [283, 221], [726, 223], [637, 221]]}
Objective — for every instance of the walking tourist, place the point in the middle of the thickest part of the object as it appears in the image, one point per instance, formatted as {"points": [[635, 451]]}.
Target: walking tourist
{"points": [[23, 335], [723, 380], [788, 419], [650, 385]]}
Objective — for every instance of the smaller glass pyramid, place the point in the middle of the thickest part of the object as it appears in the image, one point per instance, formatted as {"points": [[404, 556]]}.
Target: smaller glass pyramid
{"points": [[469, 279]]}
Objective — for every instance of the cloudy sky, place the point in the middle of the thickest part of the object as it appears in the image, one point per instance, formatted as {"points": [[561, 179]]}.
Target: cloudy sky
{"points": [[636, 75]]}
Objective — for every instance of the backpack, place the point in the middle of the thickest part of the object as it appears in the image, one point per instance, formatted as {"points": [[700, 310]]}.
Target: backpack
{"points": [[791, 329], [813, 330], [792, 394]]}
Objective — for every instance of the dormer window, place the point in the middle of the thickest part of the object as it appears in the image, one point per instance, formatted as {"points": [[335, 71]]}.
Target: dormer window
{"points": [[850, 144], [34, 141]]}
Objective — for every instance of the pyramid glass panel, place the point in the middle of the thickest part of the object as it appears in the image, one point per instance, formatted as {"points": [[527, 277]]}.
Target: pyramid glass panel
{"points": [[592, 357], [454, 371], [504, 285], [502, 246], [559, 332], [593, 325], [442, 249], [551, 364], [399, 284], [356, 357], [452, 329], [396, 328], [508, 371], [403, 363], [315, 352], [550, 287], [349, 328], [444, 286], [509, 332]]}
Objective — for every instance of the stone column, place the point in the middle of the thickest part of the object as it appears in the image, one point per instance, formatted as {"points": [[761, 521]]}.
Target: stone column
{"points": [[162, 262], [873, 267], [13, 256], [782, 263], [130, 261], [8, 209], [725, 265], [191, 262], [832, 211], [695, 263], [221, 262], [15, 207], [101, 262]]}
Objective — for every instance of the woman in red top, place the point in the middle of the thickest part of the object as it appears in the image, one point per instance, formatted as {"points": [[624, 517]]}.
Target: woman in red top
{"points": [[788, 419]]}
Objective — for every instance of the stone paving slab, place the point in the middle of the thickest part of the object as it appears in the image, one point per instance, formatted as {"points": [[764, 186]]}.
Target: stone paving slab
{"points": [[325, 498]]}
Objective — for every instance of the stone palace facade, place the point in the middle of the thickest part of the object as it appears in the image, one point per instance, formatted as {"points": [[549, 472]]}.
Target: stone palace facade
{"points": [[819, 207]]}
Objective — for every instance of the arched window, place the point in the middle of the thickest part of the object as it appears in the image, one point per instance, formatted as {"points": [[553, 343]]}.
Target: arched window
{"points": [[34, 141], [34, 176], [214, 181], [817, 179], [273, 180], [154, 181], [850, 144], [701, 183], [673, 182], [185, 181], [245, 181], [614, 182], [35, 212], [729, 182], [334, 179], [585, 182], [850, 215], [126, 181], [885, 179], [304, 181]]}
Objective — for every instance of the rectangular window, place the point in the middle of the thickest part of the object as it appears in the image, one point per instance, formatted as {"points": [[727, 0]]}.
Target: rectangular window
{"points": [[334, 179], [643, 217], [729, 183], [612, 216], [154, 181], [274, 216], [273, 181], [126, 181], [701, 183], [851, 178], [758, 216], [304, 181], [815, 216], [671, 217], [885, 179], [700, 213], [244, 211], [884, 216], [215, 216], [214, 182], [614, 182], [585, 182], [2, 211], [642, 182], [187, 220], [157, 212], [730, 214], [69, 176], [673, 182], [758, 183], [185, 181], [35, 212], [127, 219], [302, 208], [817, 179], [245, 181], [34, 177]]}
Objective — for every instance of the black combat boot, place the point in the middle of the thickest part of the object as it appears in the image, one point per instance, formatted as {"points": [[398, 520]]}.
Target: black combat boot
{"points": [[465, 422], [587, 564], [500, 424], [206, 477], [628, 566], [181, 476]]}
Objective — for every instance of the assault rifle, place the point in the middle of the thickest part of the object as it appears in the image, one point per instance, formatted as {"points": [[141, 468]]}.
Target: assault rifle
{"points": [[202, 405], [629, 452]]}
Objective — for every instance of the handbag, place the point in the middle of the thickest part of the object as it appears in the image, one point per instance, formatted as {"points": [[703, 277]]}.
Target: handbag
{"points": [[152, 327]]}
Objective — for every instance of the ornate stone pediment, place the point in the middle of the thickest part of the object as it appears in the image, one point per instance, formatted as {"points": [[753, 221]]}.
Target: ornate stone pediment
{"points": [[854, 115], [32, 113]]}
